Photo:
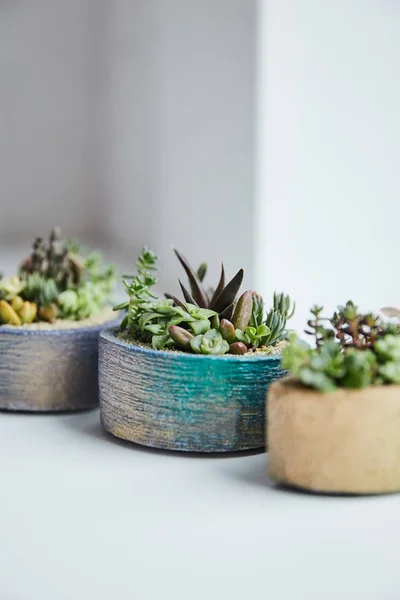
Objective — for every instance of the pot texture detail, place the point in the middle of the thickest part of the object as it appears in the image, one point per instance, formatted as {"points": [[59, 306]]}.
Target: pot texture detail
{"points": [[51, 370], [181, 401], [345, 442]]}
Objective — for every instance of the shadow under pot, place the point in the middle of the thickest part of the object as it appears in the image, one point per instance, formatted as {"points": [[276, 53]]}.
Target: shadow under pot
{"points": [[182, 401], [342, 442], [49, 370]]}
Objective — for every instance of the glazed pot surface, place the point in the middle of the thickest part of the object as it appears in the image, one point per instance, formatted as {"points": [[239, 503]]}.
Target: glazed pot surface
{"points": [[182, 401], [345, 442], [49, 370]]}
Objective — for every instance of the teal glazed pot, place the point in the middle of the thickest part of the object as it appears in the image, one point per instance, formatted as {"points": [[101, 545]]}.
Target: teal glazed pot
{"points": [[49, 370], [179, 401]]}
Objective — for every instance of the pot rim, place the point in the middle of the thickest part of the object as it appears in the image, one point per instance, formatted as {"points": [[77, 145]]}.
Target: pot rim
{"points": [[57, 331], [108, 335]]}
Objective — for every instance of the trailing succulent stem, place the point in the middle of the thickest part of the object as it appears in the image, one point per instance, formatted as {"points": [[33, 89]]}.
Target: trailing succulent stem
{"points": [[353, 351], [55, 281], [204, 321]]}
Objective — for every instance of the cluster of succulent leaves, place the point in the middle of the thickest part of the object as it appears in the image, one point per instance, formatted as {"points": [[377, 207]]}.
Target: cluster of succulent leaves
{"points": [[55, 281], [203, 321], [352, 350]]}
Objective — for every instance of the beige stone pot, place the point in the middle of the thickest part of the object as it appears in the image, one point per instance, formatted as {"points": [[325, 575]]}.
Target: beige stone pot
{"points": [[346, 441]]}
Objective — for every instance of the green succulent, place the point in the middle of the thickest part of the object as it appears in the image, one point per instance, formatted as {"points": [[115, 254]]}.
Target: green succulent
{"points": [[210, 342], [253, 336], [10, 288], [59, 281], [139, 289], [201, 318], [53, 260], [275, 320], [358, 351], [39, 289], [257, 311], [154, 323]]}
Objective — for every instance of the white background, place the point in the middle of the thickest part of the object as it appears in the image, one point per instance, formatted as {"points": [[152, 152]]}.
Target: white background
{"points": [[131, 122], [329, 123], [86, 517], [267, 134]]}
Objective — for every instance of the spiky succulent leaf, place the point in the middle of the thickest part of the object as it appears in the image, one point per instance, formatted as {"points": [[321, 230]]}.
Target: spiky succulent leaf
{"points": [[198, 292], [220, 286], [228, 294], [257, 313], [188, 297], [276, 323]]}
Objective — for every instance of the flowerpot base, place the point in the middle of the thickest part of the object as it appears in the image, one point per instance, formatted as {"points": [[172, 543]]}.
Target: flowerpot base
{"points": [[345, 442], [129, 435]]}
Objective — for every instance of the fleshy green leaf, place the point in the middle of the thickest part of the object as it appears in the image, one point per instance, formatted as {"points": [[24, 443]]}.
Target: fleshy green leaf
{"points": [[160, 341], [200, 326]]}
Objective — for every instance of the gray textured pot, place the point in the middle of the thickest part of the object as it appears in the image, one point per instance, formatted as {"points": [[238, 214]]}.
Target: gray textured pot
{"points": [[52, 370], [180, 401]]}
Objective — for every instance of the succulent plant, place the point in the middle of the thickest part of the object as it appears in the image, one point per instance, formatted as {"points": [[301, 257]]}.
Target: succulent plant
{"points": [[354, 329], [55, 261], [210, 342], [17, 312], [275, 320], [56, 281], [9, 288], [221, 299], [43, 291], [357, 350], [253, 336], [199, 323], [139, 289]]}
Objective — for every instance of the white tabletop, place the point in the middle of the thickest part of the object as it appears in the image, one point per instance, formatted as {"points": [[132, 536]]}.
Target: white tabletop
{"points": [[84, 516]]}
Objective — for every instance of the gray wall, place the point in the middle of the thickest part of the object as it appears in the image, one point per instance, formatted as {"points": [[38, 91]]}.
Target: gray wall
{"points": [[181, 81], [132, 120], [47, 72]]}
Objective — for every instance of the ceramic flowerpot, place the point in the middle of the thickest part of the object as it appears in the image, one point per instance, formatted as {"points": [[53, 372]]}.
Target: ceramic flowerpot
{"points": [[49, 370], [346, 442], [182, 401]]}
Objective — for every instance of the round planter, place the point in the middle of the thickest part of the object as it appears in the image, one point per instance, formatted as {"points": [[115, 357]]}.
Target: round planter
{"points": [[49, 370], [186, 402], [344, 442]]}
